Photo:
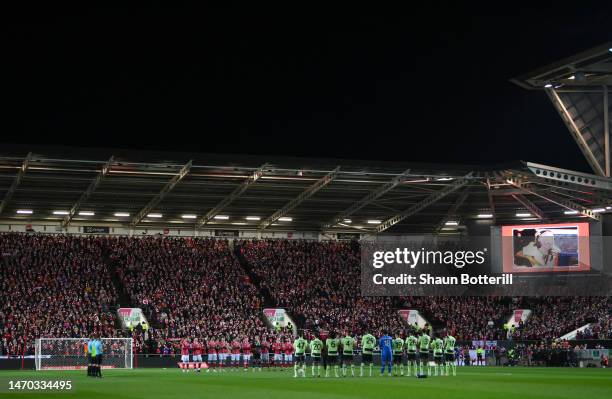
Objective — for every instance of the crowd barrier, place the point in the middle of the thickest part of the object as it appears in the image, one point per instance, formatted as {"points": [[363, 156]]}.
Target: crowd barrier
{"points": [[548, 357]]}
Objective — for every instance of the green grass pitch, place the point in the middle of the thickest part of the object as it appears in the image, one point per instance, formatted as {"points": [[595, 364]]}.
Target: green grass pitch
{"points": [[472, 383]]}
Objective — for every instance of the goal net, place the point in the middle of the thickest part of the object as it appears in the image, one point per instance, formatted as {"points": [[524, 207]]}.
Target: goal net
{"points": [[71, 353]]}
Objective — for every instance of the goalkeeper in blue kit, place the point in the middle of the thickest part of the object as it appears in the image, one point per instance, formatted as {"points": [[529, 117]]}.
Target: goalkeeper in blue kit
{"points": [[386, 353]]}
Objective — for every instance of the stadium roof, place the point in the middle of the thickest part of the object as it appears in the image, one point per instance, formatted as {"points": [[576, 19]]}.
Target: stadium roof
{"points": [[579, 87], [119, 188]]}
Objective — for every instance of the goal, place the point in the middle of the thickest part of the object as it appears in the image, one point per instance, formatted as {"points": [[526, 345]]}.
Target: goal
{"points": [[70, 353]]}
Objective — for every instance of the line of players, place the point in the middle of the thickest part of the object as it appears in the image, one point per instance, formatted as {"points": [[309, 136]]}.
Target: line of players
{"points": [[335, 354], [420, 351], [221, 354]]}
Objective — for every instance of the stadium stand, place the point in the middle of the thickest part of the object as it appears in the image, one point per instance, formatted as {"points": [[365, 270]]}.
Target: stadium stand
{"points": [[318, 282], [601, 329], [187, 287], [554, 316], [469, 318], [52, 286], [198, 287]]}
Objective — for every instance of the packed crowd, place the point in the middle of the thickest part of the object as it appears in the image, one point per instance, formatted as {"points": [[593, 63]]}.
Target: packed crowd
{"points": [[188, 286], [52, 286], [466, 318], [601, 329], [552, 317], [552, 353], [61, 286], [319, 281]]}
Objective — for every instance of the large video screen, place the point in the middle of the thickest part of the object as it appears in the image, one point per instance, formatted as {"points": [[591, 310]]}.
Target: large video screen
{"points": [[562, 247]]}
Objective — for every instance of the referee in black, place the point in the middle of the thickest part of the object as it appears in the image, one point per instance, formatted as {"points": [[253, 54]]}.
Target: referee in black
{"points": [[90, 356], [98, 357]]}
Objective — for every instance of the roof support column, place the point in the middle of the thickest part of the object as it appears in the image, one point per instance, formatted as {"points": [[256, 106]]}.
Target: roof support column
{"points": [[85, 196], [16, 182], [162, 194], [241, 188], [432, 198], [529, 188], [368, 199], [452, 212], [606, 114], [571, 125], [304, 195], [537, 212]]}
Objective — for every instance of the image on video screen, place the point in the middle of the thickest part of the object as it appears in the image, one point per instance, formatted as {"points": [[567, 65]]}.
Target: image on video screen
{"points": [[555, 247]]}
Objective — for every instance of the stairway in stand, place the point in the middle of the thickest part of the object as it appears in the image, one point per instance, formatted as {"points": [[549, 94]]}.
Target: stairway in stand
{"points": [[269, 302], [123, 299], [246, 266]]}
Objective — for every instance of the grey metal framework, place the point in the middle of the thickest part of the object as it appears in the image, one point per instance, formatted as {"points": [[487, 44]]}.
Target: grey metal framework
{"points": [[368, 199], [578, 88], [451, 215], [304, 195], [491, 201], [232, 196], [8, 195], [162, 194], [417, 198], [425, 202], [518, 181], [92, 187], [535, 211]]}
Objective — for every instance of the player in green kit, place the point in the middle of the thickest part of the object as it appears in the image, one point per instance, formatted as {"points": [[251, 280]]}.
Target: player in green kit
{"points": [[316, 346], [449, 354], [437, 346], [398, 352], [299, 345], [411, 354], [348, 348], [424, 341], [333, 345], [368, 343]]}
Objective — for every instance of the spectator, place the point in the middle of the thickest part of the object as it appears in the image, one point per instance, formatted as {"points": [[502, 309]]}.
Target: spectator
{"points": [[52, 286]]}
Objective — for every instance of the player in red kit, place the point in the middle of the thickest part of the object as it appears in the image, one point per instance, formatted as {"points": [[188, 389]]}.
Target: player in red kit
{"points": [[223, 352], [211, 344], [205, 354], [197, 354], [256, 362], [288, 349], [236, 353], [265, 352], [246, 353], [185, 347], [277, 348]]}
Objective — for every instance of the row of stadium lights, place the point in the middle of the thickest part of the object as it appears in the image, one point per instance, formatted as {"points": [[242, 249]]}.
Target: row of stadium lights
{"points": [[186, 216], [526, 215], [289, 219], [150, 215], [29, 212]]}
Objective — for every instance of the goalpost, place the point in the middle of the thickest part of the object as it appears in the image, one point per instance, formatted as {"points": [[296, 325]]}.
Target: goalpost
{"points": [[70, 353]]}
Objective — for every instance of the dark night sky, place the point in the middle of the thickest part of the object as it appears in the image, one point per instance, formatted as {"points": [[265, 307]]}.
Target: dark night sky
{"points": [[426, 85]]}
